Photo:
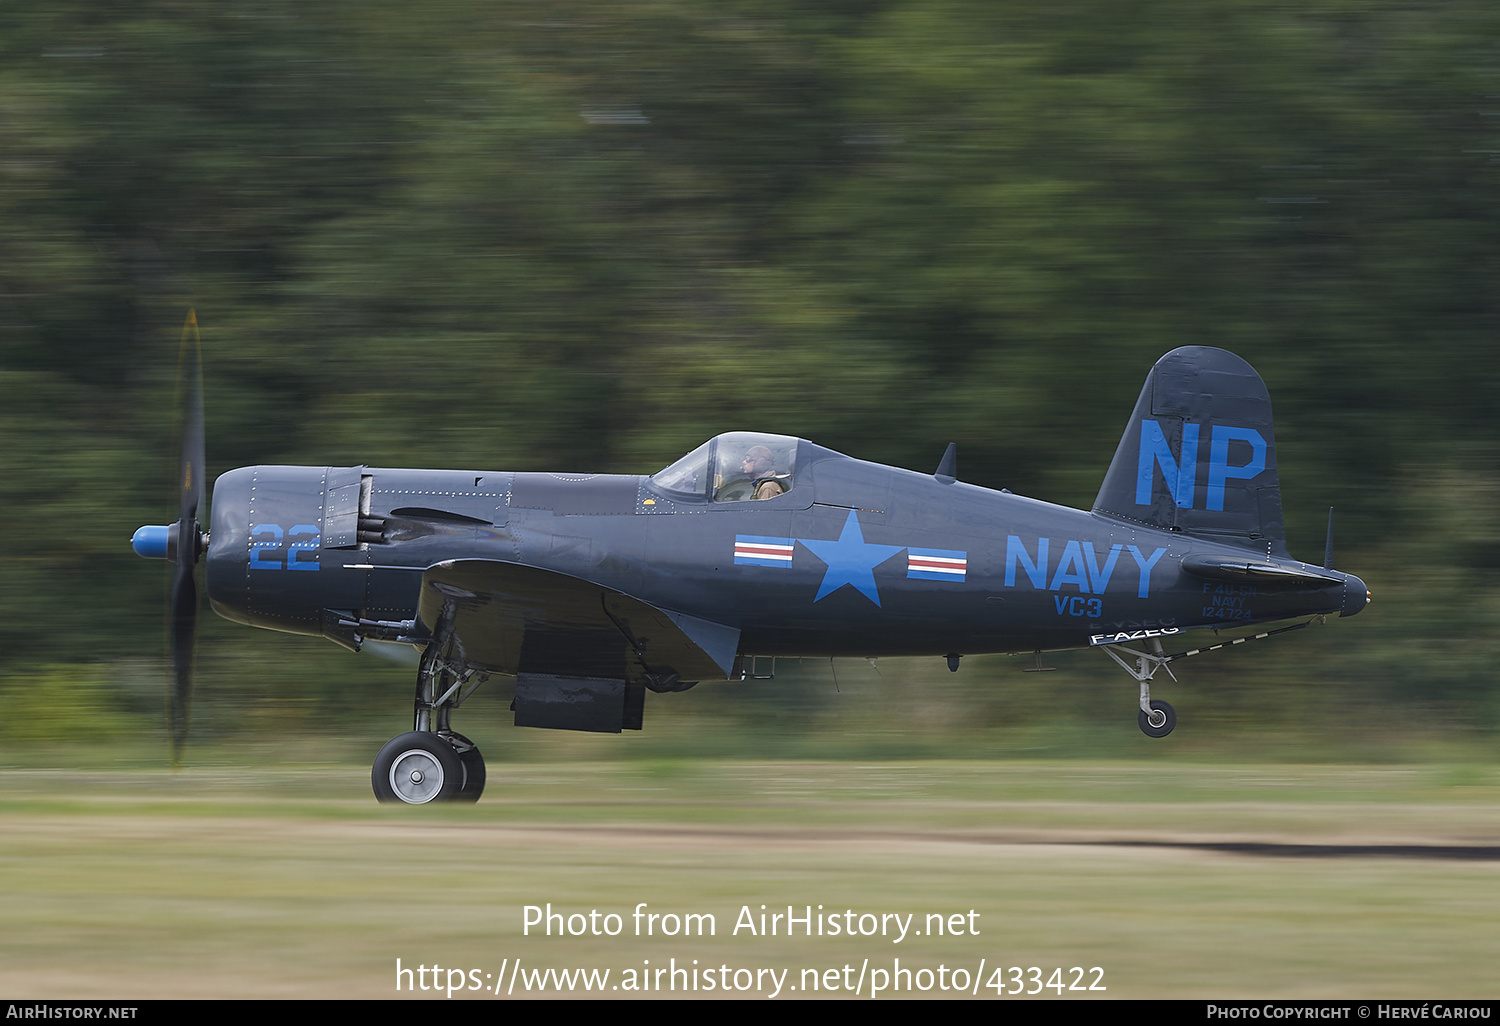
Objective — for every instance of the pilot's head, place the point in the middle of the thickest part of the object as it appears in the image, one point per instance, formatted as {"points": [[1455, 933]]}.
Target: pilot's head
{"points": [[759, 461]]}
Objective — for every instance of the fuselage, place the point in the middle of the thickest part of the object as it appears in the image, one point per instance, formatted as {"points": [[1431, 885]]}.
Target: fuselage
{"points": [[590, 590], [854, 559]]}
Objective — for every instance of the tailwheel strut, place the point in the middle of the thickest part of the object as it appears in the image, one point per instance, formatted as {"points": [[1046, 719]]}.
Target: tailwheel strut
{"points": [[1157, 718]]}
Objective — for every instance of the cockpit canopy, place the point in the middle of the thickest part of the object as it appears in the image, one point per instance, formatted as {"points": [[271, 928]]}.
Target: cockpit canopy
{"points": [[733, 467]]}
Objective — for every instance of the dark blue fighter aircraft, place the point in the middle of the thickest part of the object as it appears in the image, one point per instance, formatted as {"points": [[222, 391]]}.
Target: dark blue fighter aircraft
{"points": [[591, 589]]}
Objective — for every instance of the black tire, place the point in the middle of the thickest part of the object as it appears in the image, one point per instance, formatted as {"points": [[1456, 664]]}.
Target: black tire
{"points": [[1167, 724], [417, 768], [473, 786]]}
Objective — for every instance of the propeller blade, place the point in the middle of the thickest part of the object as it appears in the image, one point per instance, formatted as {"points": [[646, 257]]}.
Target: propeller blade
{"points": [[184, 616], [190, 470], [1328, 547], [184, 608]]}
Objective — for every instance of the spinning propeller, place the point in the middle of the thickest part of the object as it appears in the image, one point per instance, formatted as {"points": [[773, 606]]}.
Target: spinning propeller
{"points": [[183, 543]]}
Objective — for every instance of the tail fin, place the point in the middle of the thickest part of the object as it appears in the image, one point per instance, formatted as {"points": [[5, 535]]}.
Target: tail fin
{"points": [[1199, 455]]}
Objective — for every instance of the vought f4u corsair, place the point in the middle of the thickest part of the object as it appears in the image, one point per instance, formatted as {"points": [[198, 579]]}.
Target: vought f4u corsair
{"points": [[591, 589]]}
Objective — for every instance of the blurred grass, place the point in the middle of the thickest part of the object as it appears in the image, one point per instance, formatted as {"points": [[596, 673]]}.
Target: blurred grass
{"points": [[229, 881]]}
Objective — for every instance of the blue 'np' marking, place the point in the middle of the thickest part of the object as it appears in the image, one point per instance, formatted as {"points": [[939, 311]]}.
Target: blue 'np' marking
{"points": [[1219, 470], [1179, 477], [1181, 473]]}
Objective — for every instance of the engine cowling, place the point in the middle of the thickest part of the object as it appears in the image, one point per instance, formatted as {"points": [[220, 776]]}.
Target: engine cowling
{"points": [[283, 549]]}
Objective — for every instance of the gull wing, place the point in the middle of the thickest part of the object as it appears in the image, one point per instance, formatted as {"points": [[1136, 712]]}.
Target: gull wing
{"points": [[513, 618]]}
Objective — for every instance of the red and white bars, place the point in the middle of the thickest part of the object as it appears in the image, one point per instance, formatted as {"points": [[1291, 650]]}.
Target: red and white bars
{"points": [[936, 564], [758, 550]]}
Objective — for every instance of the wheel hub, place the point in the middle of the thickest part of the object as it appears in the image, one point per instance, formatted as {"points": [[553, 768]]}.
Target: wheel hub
{"points": [[416, 777]]}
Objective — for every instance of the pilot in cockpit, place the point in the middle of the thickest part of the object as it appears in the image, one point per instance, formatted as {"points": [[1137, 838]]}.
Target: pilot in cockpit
{"points": [[760, 466]]}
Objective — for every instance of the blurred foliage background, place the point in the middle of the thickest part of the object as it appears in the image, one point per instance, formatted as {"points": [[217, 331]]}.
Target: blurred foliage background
{"points": [[584, 235]]}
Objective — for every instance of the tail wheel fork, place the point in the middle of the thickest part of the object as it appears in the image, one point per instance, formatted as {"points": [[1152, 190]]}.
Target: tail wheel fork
{"points": [[1156, 718]]}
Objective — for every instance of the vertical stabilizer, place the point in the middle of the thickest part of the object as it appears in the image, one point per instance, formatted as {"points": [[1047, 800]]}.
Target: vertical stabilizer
{"points": [[1199, 454]]}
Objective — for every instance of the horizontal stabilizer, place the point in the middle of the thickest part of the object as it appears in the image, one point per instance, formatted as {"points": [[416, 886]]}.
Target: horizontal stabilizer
{"points": [[1222, 568]]}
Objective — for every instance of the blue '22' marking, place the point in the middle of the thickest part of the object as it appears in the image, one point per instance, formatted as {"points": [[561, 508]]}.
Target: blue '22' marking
{"points": [[301, 555]]}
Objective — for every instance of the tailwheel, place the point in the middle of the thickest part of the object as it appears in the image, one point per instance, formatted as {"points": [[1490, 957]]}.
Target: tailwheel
{"points": [[1159, 721], [418, 767]]}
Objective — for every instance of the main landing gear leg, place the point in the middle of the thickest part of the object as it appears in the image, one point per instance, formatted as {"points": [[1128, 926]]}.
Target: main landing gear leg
{"points": [[1156, 717], [432, 762]]}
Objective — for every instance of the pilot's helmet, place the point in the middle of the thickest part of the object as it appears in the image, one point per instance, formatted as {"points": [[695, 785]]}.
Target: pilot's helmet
{"points": [[760, 459]]}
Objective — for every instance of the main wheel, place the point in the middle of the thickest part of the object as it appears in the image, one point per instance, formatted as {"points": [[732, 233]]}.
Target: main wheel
{"points": [[473, 786], [1161, 721], [416, 768]]}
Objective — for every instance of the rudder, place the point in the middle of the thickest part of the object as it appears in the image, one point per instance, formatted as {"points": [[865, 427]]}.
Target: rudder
{"points": [[1199, 453]]}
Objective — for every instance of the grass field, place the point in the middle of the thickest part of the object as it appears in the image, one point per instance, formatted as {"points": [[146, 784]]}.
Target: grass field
{"points": [[1177, 881]]}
